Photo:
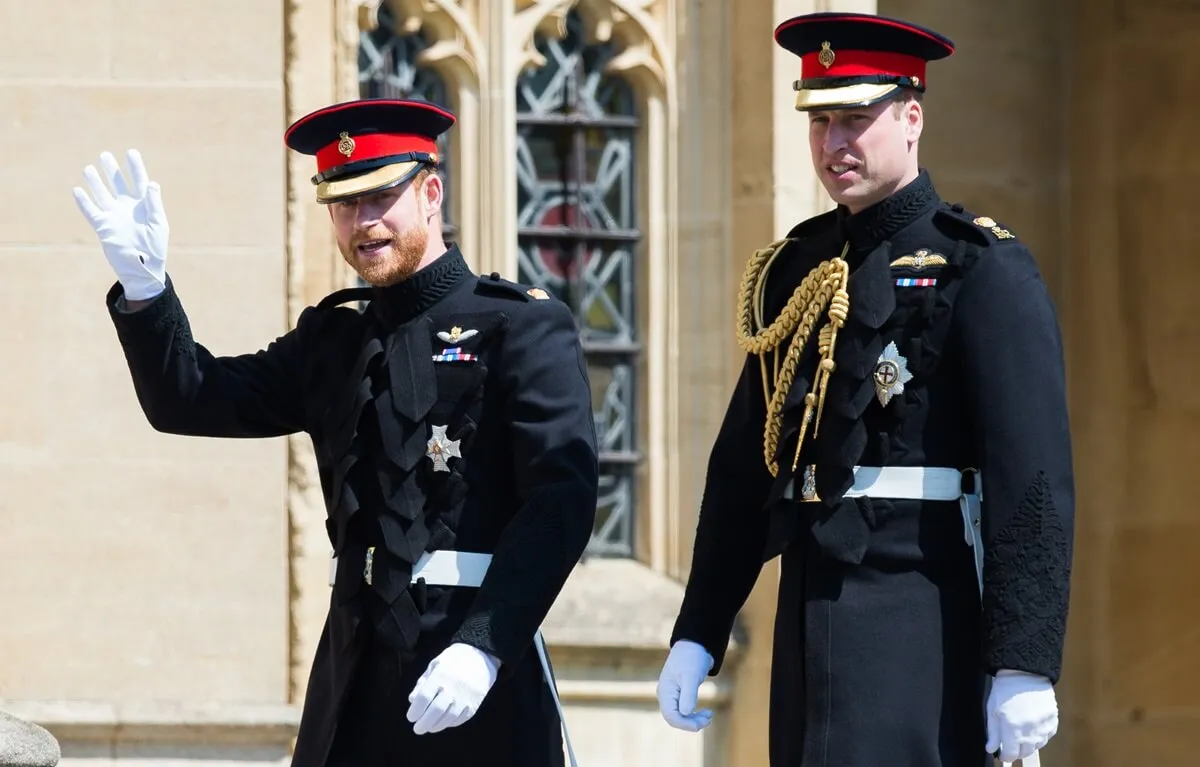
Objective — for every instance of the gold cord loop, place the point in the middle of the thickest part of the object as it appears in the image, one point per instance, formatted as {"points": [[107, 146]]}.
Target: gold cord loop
{"points": [[823, 290]]}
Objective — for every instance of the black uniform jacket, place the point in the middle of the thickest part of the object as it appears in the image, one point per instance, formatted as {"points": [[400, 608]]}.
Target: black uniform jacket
{"points": [[882, 640], [499, 368]]}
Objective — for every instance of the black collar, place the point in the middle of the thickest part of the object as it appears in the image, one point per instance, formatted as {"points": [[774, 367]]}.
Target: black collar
{"points": [[886, 218], [399, 303]]}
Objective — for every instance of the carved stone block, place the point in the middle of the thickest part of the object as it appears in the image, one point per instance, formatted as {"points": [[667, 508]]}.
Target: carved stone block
{"points": [[24, 744]]}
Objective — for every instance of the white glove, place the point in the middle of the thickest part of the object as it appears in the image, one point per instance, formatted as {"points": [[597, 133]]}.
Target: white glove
{"points": [[130, 222], [679, 683], [451, 689], [1022, 714]]}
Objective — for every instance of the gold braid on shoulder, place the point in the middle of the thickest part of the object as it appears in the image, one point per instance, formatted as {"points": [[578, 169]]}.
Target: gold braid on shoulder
{"points": [[822, 291]]}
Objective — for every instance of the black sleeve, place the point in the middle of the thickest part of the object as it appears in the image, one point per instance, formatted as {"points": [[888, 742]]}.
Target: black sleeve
{"points": [[548, 406], [731, 533], [184, 389], [1015, 383]]}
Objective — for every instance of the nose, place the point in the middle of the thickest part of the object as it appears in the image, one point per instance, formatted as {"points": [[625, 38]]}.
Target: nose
{"points": [[366, 215], [835, 138]]}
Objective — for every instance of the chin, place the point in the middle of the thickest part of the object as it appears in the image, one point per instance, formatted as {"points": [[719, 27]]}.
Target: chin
{"points": [[371, 280], [381, 274], [845, 197], [841, 192], [380, 278], [856, 199]]}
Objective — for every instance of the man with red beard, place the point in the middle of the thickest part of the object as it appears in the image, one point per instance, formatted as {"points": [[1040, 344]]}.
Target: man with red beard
{"points": [[899, 438], [454, 438]]}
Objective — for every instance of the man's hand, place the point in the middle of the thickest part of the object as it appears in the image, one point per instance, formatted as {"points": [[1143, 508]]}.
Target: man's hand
{"points": [[1022, 715], [679, 686], [130, 222], [451, 689]]}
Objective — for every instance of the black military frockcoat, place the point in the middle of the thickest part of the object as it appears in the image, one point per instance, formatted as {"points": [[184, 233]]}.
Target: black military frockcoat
{"points": [[881, 646], [501, 368]]}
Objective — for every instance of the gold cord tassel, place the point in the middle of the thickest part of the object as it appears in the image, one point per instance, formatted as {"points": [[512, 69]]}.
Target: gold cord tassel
{"points": [[823, 289]]}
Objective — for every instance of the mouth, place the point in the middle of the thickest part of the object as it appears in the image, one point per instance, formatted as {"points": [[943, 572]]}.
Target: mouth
{"points": [[371, 248], [841, 169]]}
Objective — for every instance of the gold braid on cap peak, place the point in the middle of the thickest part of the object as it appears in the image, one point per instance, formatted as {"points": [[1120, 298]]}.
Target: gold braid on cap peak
{"points": [[824, 287]]}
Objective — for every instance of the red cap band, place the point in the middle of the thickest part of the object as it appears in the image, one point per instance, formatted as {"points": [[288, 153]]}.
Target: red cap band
{"points": [[371, 146], [850, 63]]}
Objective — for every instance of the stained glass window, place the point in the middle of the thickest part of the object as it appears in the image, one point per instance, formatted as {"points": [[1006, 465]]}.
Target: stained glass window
{"points": [[388, 68], [578, 239]]}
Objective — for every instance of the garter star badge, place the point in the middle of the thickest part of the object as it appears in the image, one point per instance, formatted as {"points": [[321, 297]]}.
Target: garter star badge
{"points": [[891, 373], [439, 448]]}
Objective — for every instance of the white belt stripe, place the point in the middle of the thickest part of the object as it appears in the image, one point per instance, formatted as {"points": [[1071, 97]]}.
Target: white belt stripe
{"points": [[922, 483]]}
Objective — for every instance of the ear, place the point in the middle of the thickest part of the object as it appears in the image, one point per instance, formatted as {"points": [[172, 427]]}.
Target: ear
{"points": [[432, 194], [914, 121]]}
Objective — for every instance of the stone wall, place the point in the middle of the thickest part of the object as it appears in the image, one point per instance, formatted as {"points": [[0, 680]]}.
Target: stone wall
{"points": [[143, 567], [1134, 328]]}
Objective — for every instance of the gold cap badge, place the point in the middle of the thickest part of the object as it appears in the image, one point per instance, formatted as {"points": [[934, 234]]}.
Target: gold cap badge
{"points": [[826, 56], [346, 144]]}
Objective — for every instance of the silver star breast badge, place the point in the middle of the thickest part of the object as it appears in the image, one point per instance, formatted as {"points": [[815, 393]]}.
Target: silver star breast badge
{"points": [[439, 448], [891, 373]]}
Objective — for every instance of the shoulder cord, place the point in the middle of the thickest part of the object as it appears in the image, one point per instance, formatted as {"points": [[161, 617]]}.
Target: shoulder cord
{"points": [[824, 287]]}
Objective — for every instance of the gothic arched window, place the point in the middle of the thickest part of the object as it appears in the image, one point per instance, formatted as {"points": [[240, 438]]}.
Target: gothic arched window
{"points": [[579, 239]]}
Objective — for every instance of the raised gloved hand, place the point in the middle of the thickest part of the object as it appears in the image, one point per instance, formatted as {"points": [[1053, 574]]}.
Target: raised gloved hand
{"points": [[451, 689], [1022, 715], [679, 683], [130, 222]]}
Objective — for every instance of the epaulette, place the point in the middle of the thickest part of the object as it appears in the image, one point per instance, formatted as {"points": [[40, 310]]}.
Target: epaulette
{"points": [[965, 225], [344, 296], [497, 285]]}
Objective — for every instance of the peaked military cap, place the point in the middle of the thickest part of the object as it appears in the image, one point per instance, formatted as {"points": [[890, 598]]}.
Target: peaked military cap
{"points": [[857, 59], [367, 145]]}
